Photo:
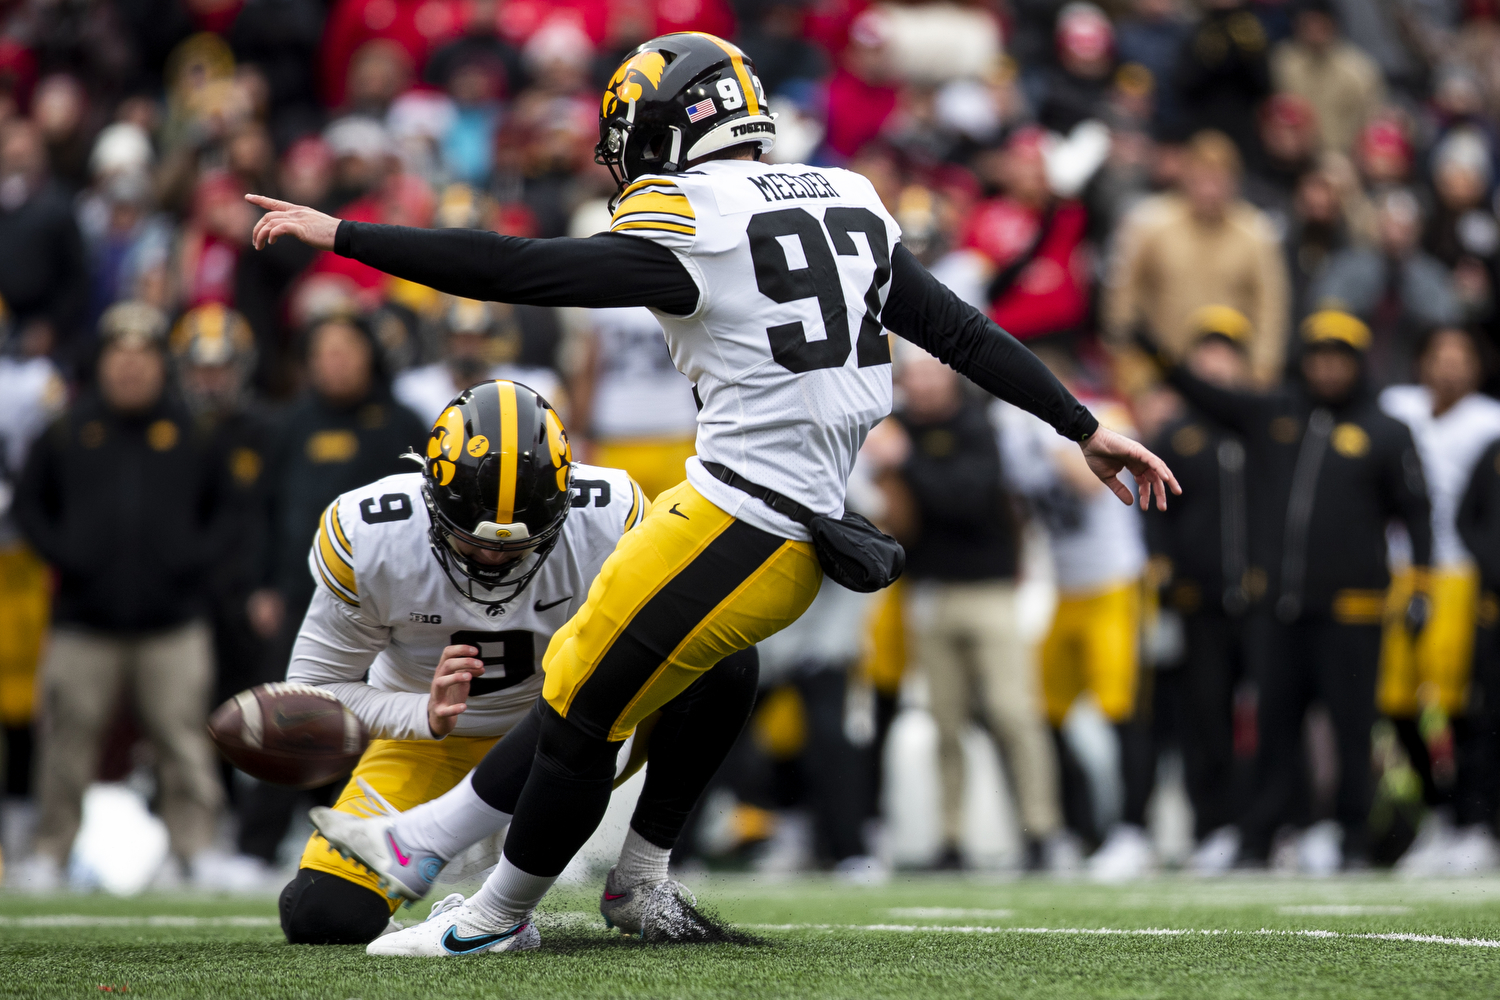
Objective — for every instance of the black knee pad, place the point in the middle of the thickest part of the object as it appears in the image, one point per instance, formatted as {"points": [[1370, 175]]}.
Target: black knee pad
{"points": [[320, 908], [568, 752]]}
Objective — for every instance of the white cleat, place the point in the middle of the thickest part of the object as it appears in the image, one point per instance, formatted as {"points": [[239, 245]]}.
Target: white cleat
{"points": [[621, 905], [1217, 853], [1320, 849], [370, 841], [454, 929], [1473, 851], [1428, 853], [1125, 855]]}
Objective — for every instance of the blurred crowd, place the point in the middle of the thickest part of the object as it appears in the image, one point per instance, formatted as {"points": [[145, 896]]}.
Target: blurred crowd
{"points": [[1259, 234]]}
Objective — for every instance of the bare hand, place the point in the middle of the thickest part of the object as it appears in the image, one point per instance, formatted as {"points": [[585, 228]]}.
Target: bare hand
{"points": [[282, 218], [1107, 453], [450, 688], [265, 609]]}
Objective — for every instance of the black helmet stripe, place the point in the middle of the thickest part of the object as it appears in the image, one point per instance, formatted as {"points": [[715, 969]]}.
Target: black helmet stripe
{"points": [[505, 503], [752, 103]]}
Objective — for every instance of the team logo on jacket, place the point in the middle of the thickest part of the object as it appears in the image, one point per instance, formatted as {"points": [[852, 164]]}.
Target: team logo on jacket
{"points": [[1350, 440]]}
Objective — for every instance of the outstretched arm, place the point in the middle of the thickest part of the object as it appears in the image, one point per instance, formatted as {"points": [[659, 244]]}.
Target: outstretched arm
{"points": [[926, 313], [605, 270]]}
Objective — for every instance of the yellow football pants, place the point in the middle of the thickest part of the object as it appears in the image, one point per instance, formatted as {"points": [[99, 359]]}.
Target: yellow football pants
{"points": [[655, 464], [25, 603], [407, 773], [1093, 646], [681, 592], [1433, 670]]}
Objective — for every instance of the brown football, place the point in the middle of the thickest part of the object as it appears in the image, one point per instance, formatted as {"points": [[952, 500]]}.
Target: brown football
{"points": [[289, 734]]}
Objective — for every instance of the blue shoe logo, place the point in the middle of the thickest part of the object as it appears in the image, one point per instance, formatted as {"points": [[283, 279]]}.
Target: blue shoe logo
{"points": [[430, 868], [459, 945]]}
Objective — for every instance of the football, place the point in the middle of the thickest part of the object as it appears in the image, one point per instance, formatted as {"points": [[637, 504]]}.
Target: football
{"points": [[289, 734]]}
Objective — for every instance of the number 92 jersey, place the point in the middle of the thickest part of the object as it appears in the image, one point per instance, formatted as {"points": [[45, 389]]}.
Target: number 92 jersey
{"points": [[793, 265], [384, 605]]}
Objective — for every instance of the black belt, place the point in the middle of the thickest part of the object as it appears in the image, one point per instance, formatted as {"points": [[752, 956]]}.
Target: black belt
{"points": [[783, 505]]}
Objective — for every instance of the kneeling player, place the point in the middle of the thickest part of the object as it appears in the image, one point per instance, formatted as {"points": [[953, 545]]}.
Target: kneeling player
{"points": [[421, 579]]}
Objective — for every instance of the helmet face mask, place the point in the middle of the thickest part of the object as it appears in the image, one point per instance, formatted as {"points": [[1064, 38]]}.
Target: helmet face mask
{"points": [[676, 99], [496, 478]]}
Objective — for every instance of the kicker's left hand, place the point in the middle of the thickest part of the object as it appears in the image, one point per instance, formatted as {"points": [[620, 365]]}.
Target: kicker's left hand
{"points": [[1107, 453]]}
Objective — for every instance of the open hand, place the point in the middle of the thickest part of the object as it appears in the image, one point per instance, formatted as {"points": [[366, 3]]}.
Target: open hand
{"points": [[282, 218], [450, 688], [1107, 453]]}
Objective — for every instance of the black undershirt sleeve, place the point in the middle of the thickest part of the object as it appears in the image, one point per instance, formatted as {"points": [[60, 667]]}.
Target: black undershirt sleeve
{"points": [[922, 310], [610, 269]]}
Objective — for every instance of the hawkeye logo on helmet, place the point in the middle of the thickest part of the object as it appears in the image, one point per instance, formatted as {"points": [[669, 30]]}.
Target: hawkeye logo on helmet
{"points": [[626, 84]]}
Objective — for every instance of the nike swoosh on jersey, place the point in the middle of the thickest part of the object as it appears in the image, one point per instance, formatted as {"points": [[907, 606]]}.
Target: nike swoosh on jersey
{"points": [[460, 945], [539, 607], [673, 510]]}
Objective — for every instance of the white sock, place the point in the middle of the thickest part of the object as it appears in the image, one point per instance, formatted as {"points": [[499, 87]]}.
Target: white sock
{"points": [[641, 861], [509, 895], [450, 822]]}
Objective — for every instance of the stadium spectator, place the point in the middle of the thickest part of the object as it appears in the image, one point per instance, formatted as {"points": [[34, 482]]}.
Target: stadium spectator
{"points": [[1428, 673], [1340, 469], [1394, 286], [1222, 73], [43, 272], [1202, 246], [962, 536], [1152, 36], [1214, 577], [129, 504], [1461, 231], [346, 431], [1036, 263], [1341, 83]]}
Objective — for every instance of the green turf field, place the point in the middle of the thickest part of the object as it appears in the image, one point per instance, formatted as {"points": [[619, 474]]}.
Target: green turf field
{"points": [[1259, 937]]}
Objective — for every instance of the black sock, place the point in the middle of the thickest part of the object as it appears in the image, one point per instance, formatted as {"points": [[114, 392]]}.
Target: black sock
{"points": [[502, 773]]}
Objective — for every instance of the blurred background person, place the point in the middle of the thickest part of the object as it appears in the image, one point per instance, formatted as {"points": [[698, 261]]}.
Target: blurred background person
{"points": [[1207, 548], [130, 506], [1203, 246], [1474, 847], [1341, 83], [346, 431], [1395, 286], [1424, 678], [43, 273], [1090, 659], [635, 409], [213, 353], [961, 530], [1341, 470], [480, 340], [32, 394]]}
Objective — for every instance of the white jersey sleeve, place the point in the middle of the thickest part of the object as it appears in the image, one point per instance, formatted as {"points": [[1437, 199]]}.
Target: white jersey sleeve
{"points": [[785, 348]]}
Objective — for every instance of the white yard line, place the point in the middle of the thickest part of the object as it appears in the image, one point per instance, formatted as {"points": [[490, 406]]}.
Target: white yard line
{"points": [[1129, 932], [84, 920]]}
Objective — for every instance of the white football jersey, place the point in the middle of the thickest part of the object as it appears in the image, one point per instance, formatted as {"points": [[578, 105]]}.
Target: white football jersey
{"points": [[1097, 542], [383, 604], [1449, 446], [638, 391], [427, 391], [786, 349]]}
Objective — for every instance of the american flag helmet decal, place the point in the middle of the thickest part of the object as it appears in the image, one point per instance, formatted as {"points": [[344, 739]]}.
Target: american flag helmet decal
{"points": [[703, 109]]}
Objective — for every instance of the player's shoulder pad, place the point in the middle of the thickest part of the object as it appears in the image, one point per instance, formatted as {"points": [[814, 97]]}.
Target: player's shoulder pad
{"points": [[608, 500], [657, 208], [354, 530]]}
